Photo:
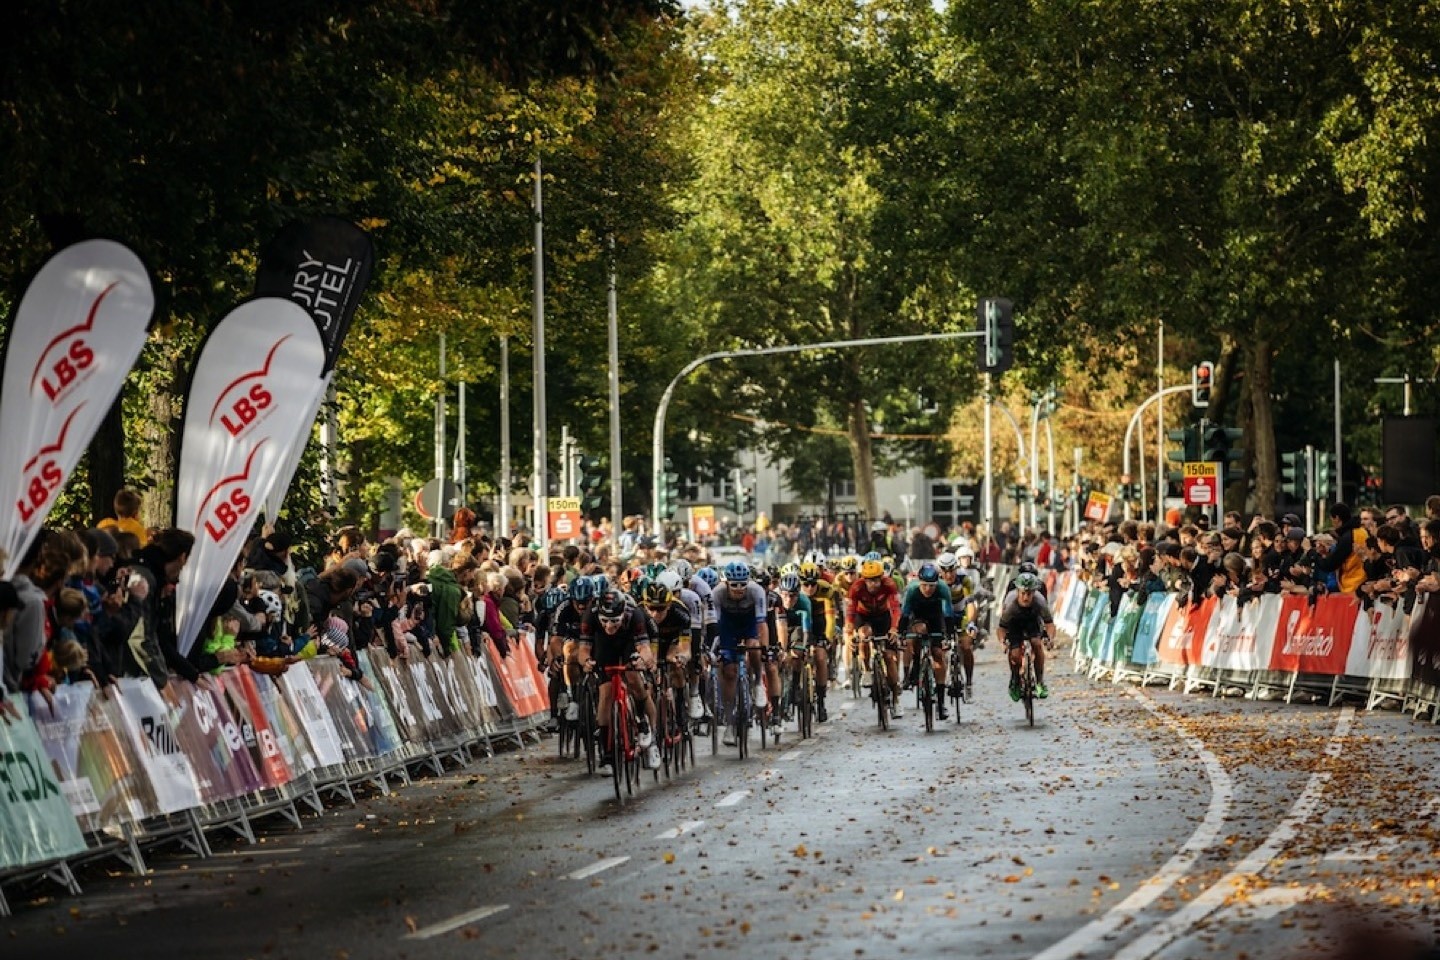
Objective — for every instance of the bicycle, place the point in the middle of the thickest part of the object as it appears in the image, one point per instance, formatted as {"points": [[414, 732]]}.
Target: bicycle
{"points": [[880, 682], [1027, 680], [856, 675], [801, 682], [925, 683], [740, 716], [957, 684], [674, 737], [589, 694], [624, 733]]}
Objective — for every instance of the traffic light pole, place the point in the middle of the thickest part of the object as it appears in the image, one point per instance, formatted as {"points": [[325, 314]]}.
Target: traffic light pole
{"points": [[657, 467], [1130, 432]]}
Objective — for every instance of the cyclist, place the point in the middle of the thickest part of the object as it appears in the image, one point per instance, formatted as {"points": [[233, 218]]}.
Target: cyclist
{"points": [[963, 621], [547, 607], [927, 600], [874, 608], [795, 628], [741, 613], [676, 635], [613, 634], [771, 654], [1023, 620], [825, 600], [565, 626]]}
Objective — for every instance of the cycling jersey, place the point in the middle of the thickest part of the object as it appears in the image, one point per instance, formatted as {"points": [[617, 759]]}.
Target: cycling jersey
{"points": [[824, 610], [799, 622], [567, 621], [873, 607], [934, 611], [739, 617], [613, 650], [672, 625], [1022, 623]]}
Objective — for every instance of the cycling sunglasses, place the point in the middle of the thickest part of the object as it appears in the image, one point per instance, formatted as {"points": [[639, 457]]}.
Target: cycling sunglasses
{"points": [[612, 621]]}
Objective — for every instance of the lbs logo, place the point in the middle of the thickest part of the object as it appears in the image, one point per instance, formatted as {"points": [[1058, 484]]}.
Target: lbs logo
{"points": [[246, 398], [67, 357], [42, 475], [228, 502]]}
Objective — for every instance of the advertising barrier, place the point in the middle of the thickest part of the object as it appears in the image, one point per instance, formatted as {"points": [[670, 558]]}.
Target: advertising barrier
{"points": [[96, 771]]}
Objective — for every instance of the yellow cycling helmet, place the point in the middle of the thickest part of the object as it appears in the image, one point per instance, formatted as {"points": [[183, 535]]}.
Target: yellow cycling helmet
{"points": [[871, 568], [849, 563], [809, 572]]}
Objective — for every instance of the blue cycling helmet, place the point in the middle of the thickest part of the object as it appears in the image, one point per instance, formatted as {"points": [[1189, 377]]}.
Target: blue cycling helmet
{"points": [[736, 571], [872, 555], [582, 590], [928, 573], [638, 585], [710, 575], [790, 583]]}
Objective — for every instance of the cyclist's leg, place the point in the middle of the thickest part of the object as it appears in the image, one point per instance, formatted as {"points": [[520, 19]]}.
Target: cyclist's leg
{"points": [[967, 656], [1016, 658], [821, 658], [602, 720], [1037, 645]]}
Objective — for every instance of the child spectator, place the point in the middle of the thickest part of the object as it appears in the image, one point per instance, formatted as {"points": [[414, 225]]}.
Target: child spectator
{"points": [[127, 504]]}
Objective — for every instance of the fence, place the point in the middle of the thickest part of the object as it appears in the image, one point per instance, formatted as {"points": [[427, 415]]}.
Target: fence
{"points": [[112, 773], [1273, 646]]}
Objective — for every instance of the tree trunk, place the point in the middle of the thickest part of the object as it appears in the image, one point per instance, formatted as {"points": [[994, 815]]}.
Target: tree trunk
{"points": [[858, 421], [107, 462], [1223, 391], [162, 440], [1261, 434]]}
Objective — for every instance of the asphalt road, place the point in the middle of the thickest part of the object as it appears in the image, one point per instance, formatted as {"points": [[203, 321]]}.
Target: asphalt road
{"points": [[1127, 823]]}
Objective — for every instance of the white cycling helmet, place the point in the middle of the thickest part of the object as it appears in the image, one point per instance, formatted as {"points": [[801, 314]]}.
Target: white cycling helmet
{"points": [[965, 551], [670, 580], [947, 561]]}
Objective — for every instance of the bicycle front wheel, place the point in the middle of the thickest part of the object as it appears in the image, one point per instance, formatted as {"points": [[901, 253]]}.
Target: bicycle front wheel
{"points": [[617, 750]]}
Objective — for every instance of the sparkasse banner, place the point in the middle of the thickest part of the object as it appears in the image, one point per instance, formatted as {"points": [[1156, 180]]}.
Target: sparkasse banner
{"points": [[79, 329], [255, 380]]}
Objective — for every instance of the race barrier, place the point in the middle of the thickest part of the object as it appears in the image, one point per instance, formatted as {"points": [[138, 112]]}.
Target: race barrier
{"points": [[96, 774], [1327, 647]]}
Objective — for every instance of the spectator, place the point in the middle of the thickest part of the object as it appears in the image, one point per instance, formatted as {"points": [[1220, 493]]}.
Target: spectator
{"points": [[1345, 560], [41, 571], [9, 605], [444, 601], [325, 594], [127, 505], [157, 652]]}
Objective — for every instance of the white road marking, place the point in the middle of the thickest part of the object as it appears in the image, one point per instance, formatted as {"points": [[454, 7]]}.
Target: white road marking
{"points": [[599, 866], [455, 923], [1269, 904], [1215, 897], [733, 798], [681, 830], [1207, 835]]}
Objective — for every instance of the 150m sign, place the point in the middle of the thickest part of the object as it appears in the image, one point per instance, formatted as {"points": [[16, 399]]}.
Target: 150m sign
{"points": [[1201, 482]]}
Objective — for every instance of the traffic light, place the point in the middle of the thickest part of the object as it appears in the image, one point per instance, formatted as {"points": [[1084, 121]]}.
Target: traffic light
{"points": [[747, 499], [1201, 379], [1324, 474], [1292, 474], [996, 320], [1189, 449], [592, 479], [1220, 444], [669, 491], [1019, 492]]}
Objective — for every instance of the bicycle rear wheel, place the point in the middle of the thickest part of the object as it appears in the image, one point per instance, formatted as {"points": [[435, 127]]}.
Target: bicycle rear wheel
{"points": [[807, 702], [716, 710], [1027, 686], [588, 695], [927, 690], [661, 733]]}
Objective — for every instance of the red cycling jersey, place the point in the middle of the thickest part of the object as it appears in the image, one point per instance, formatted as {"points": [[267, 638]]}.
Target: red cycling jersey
{"points": [[866, 603]]}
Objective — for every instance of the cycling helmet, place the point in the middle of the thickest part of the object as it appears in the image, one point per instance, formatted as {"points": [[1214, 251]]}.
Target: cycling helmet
{"points": [[683, 569], [871, 568], [888, 566], [611, 604], [710, 575], [671, 581], [273, 604], [849, 563], [947, 561], [761, 576], [736, 571], [965, 552], [654, 569], [809, 572], [582, 590], [790, 583], [791, 567], [656, 594], [552, 599], [814, 556], [1027, 582], [928, 573], [1028, 567], [638, 585], [872, 555]]}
